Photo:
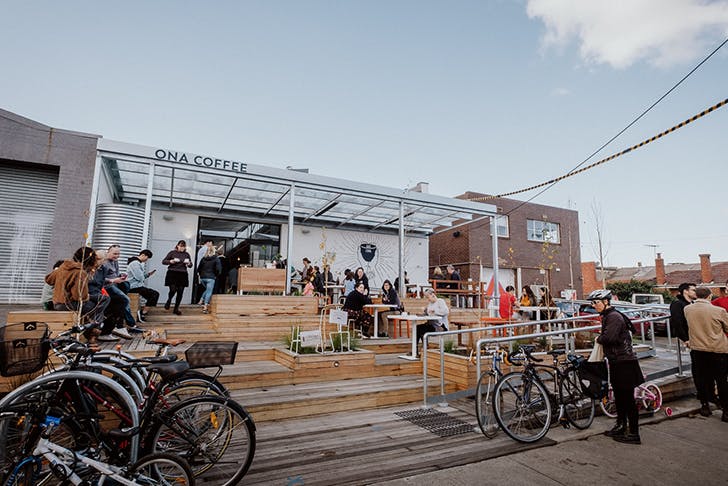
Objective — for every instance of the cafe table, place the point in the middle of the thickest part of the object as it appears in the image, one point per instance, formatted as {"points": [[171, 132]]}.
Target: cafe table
{"points": [[412, 320], [377, 308]]}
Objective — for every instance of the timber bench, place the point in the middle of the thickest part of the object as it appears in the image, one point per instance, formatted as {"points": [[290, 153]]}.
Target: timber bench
{"points": [[58, 321]]}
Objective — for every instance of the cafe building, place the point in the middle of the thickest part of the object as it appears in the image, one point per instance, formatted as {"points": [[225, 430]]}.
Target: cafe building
{"points": [[61, 189]]}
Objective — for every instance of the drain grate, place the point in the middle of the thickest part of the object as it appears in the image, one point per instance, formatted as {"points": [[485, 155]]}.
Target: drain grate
{"points": [[440, 424]]}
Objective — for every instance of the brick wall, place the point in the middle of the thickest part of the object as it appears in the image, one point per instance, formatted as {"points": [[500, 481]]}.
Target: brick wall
{"points": [[24, 142], [590, 281], [515, 251]]}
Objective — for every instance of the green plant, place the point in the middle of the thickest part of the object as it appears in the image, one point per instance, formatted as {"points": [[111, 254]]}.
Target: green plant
{"points": [[288, 339], [353, 340], [449, 346], [624, 290]]}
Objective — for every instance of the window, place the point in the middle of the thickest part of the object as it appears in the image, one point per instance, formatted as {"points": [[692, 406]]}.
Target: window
{"points": [[543, 231], [502, 226]]}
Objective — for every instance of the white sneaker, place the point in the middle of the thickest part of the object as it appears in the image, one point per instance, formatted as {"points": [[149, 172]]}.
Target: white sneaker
{"points": [[108, 338], [121, 332]]}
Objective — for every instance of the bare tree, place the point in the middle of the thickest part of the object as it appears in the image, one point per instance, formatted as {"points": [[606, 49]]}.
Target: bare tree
{"points": [[601, 250]]}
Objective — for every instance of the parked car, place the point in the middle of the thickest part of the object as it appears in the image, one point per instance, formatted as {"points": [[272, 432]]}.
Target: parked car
{"points": [[634, 312]]}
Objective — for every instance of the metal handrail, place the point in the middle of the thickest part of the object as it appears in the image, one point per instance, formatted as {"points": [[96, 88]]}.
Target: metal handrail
{"points": [[482, 341]]}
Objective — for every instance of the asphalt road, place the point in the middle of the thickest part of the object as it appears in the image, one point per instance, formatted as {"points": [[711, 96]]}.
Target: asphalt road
{"points": [[685, 450]]}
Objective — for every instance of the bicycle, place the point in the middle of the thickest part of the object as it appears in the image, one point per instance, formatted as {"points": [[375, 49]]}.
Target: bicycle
{"points": [[483, 401], [73, 467], [523, 404], [647, 395], [213, 432]]}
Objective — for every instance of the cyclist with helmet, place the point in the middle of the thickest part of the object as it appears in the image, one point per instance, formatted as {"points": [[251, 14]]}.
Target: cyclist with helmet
{"points": [[624, 368]]}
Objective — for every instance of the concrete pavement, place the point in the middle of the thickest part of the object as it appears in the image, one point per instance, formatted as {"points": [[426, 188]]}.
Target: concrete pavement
{"points": [[685, 450]]}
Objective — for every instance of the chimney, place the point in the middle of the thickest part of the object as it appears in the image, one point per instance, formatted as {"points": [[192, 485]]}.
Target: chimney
{"points": [[423, 187], [706, 271], [659, 270]]}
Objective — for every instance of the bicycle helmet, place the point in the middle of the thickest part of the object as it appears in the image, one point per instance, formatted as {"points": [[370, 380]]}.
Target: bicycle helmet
{"points": [[600, 294]]}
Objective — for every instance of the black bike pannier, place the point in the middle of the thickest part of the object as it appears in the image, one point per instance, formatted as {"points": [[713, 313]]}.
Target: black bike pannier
{"points": [[594, 379]]}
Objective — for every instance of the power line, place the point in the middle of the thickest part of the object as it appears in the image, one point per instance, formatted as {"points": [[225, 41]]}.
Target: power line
{"points": [[574, 171]]}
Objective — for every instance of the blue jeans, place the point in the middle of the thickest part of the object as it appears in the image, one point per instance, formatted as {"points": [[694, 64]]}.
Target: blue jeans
{"points": [[209, 284], [115, 291]]}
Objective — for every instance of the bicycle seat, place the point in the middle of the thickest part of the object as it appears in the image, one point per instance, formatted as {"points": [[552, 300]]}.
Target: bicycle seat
{"points": [[556, 352], [165, 370], [167, 342]]}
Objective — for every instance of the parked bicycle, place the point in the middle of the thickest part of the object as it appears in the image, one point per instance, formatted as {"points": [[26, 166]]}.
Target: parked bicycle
{"points": [[212, 432], [523, 405], [75, 467], [483, 394]]}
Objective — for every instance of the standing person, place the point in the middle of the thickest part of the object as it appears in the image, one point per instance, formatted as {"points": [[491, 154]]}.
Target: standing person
{"points": [[435, 307], [721, 301], [707, 328], [136, 276], [528, 299], [454, 276], [389, 296], [208, 270], [178, 261], [679, 328], [306, 268], [221, 279], [233, 279], [406, 281], [437, 274], [349, 282], [624, 368], [201, 252], [361, 277], [508, 303]]}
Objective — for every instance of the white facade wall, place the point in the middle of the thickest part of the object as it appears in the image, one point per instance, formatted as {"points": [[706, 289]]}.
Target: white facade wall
{"points": [[344, 249]]}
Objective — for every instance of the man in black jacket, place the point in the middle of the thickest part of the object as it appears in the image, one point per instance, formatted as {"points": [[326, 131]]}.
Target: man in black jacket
{"points": [[679, 327]]}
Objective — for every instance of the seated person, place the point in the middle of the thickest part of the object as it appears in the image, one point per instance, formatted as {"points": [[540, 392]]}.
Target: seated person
{"points": [[436, 307], [70, 284], [46, 296], [309, 288], [136, 268], [389, 296], [354, 305]]}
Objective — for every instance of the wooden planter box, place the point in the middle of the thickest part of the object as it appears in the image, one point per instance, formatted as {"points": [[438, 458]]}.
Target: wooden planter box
{"points": [[349, 364]]}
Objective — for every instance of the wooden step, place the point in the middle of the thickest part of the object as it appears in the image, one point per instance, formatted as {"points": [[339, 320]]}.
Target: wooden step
{"points": [[302, 400]]}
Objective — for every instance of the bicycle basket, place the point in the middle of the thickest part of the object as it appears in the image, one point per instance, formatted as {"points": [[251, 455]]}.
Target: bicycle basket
{"points": [[593, 377], [207, 354], [24, 348]]}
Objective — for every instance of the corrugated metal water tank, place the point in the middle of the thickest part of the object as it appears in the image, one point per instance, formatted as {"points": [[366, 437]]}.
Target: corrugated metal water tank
{"points": [[119, 224]]}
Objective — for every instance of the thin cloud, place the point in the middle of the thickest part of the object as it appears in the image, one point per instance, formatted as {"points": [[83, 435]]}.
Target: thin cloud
{"points": [[623, 32], [560, 92]]}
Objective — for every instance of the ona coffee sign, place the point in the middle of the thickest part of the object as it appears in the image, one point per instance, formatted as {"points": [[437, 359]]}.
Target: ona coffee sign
{"points": [[200, 160]]}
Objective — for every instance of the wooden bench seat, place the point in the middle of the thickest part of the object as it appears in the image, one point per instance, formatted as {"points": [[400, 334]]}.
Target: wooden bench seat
{"points": [[262, 305], [57, 321]]}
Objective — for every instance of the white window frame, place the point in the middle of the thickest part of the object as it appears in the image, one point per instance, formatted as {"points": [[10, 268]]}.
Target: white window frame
{"points": [[502, 228], [543, 231]]}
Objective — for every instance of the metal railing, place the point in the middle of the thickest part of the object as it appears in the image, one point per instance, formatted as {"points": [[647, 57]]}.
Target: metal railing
{"points": [[566, 332]]}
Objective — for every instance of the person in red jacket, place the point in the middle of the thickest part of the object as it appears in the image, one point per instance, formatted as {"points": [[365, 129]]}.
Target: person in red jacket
{"points": [[721, 301], [508, 303]]}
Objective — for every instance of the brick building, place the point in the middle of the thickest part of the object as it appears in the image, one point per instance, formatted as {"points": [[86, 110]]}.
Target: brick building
{"points": [[537, 245], [663, 276]]}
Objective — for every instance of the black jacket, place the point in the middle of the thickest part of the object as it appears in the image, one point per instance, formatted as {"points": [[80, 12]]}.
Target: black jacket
{"points": [[391, 298], [616, 337], [209, 267], [678, 323], [356, 301]]}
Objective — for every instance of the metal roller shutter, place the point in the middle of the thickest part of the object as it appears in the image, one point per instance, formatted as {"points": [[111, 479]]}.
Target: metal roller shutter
{"points": [[28, 203]]}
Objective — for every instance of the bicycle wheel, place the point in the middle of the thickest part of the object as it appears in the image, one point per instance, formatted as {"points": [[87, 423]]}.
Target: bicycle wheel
{"points": [[215, 435], [651, 397], [578, 407], [609, 407], [161, 469], [522, 407], [484, 405]]}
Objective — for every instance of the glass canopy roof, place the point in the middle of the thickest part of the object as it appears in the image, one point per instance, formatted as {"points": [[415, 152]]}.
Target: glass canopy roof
{"points": [[181, 180]]}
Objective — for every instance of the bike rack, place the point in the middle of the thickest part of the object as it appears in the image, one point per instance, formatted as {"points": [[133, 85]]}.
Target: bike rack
{"points": [[441, 399]]}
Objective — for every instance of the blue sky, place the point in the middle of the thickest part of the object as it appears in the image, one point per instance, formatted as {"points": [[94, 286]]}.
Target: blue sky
{"points": [[489, 96]]}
